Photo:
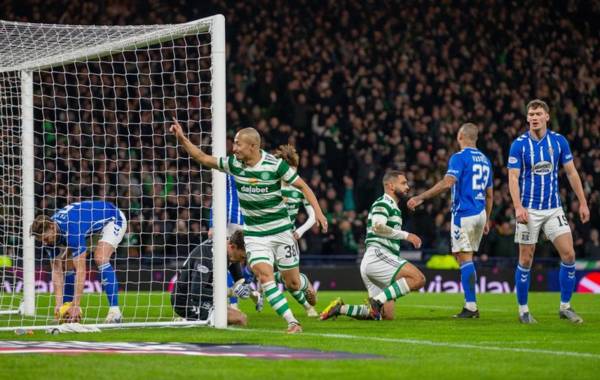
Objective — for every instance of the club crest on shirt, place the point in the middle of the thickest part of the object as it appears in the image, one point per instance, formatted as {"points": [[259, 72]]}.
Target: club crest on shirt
{"points": [[542, 168]]}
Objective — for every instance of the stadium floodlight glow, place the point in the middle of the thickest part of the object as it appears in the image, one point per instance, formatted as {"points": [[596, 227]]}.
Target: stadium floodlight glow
{"points": [[84, 114]]}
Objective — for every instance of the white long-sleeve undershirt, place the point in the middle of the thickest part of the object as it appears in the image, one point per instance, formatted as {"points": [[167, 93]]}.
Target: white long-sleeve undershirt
{"points": [[309, 221], [381, 229]]}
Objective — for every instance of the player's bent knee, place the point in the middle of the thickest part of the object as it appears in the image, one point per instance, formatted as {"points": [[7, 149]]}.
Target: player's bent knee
{"points": [[103, 253], [292, 284], [263, 272], [568, 257]]}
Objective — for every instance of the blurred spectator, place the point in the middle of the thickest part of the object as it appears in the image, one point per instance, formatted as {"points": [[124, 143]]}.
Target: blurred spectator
{"points": [[349, 244], [501, 240], [591, 251], [358, 87]]}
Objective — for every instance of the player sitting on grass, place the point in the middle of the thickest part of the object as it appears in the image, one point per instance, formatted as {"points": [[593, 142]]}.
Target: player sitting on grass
{"points": [[293, 198], [267, 229], [64, 237], [385, 274], [192, 296]]}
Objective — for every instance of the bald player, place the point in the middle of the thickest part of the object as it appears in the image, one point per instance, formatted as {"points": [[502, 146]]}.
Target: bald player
{"points": [[470, 177], [267, 227]]}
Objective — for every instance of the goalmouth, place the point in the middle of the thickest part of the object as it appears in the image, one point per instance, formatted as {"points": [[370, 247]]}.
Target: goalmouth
{"points": [[84, 114]]}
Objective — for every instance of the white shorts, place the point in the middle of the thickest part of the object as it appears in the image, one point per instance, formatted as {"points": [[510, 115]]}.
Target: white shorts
{"points": [[553, 221], [112, 233], [378, 269], [467, 232], [279, 250]]}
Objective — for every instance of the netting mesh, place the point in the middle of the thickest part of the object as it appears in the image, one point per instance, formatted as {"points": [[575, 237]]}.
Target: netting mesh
{"points": [[101, 133], [10, 191]]}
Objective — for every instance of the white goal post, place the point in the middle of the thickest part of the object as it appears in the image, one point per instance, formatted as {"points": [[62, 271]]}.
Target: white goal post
{"points": [[84, 114]]}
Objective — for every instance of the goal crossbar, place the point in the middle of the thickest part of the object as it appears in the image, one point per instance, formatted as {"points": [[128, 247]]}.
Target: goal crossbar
{"points": [[142, 36]]}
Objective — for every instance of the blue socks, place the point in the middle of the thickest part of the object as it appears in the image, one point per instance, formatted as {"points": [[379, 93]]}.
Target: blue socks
{"points": [[566, 279], [522, 279], [109, 284], [69, 287], [468, 279]]}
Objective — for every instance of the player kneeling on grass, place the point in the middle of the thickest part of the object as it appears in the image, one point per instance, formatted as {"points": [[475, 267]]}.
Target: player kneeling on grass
{"points": [[64, 237], [192, 297], [385, 274]]}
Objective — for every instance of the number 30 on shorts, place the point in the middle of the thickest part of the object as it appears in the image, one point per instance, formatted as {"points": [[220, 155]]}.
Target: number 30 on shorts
{"points": [[290, 251]]}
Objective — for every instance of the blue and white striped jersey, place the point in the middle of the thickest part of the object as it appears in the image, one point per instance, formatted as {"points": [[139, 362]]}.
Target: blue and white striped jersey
{"points": [[473, 173], [539, 162], [79, 220], [234, 212]]}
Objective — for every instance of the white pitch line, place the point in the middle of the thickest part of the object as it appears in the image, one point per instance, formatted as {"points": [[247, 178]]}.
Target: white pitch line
{"points": [[483, 309], [456, 308], [419, 342]]}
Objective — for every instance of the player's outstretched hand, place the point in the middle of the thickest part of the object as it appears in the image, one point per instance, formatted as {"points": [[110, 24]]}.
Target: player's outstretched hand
{"points": [[584, 213], [176, 129], [415, 240], [74, 313], [322, 222], [413, 203], [522, 215]]}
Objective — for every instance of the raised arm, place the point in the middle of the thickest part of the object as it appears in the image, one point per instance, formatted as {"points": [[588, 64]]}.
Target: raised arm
{"points": [[575, 182], [196, 153]]}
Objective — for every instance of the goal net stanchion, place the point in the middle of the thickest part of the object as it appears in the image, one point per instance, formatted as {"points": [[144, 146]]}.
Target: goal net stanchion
{"points": [[84, 114]]}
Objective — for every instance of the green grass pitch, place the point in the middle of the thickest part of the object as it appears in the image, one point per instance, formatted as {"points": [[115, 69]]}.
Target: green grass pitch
{"points": [[424, 342]]}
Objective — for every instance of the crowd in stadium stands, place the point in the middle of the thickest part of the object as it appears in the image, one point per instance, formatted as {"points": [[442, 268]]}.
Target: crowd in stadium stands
{"points": [[359, 87]]}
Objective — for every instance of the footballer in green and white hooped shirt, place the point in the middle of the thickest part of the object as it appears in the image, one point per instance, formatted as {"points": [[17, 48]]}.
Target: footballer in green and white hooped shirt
{"points": [[267, 229], [293, 199], [385, 274]]}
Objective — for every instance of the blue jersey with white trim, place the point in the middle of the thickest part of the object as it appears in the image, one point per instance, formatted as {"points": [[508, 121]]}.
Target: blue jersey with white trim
{"points": [[234, 212], [79, 220], [538, 162], [473, 173]]}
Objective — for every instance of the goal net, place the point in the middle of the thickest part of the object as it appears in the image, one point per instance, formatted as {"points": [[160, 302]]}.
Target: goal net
{"points": [[84, 115]]}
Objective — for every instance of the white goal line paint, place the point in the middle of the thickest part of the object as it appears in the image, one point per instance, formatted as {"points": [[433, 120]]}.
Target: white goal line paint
{"points": [[418, 342]]}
